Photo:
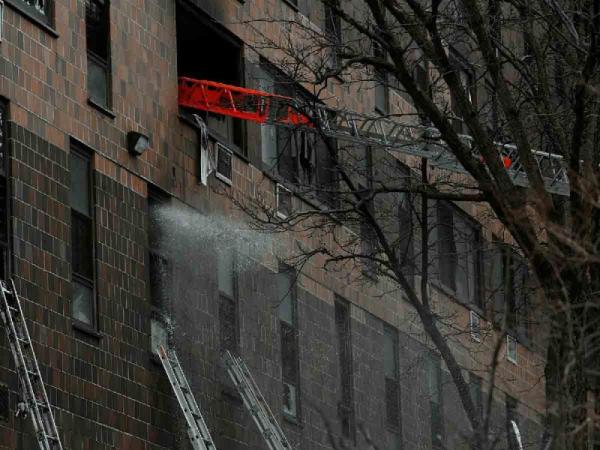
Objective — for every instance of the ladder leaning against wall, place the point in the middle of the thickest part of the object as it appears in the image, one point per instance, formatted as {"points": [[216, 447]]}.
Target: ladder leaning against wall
{"points": [[253, 400], [34, 400]]}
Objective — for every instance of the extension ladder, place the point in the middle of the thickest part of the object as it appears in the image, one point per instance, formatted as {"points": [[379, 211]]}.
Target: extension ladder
{"points": [[197, 429], [363, 129], [34, 398], [255, 402]]}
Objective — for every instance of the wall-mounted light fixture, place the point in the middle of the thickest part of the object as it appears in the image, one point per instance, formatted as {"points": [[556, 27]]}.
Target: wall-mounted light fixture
{"points": [[137, 143]]}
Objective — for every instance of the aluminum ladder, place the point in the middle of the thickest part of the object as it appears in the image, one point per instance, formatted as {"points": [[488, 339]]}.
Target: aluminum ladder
{"points": [[34, 397], [255, 403], [197, 429]]}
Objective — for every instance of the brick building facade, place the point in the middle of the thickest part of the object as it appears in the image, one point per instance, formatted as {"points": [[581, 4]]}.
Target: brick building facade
{"points": [[98, 292]]}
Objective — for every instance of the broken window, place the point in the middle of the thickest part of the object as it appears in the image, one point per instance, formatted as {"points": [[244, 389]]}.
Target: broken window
{"points": [[98, 51], [286, 295], [392, 377], [205, 52], [83, 304], [226, 280], [434, 387], [344, 341], [300, 156]]}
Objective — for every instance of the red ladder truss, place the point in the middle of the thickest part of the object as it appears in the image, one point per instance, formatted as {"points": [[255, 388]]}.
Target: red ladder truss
{"points": [[238, 102]]}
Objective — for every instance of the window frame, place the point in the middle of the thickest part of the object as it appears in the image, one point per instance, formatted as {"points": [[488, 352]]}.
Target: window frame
{"points": [[286, 329], [476, 302], [389, 330], [79, 150], [104, 63], [346, 368]]}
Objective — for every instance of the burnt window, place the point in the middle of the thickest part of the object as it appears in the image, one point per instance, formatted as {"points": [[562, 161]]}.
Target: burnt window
{"points": [[434, 389], [227, 282], [286, 295], [83, 305], [344, 344], [220, 60], [299, 156], [392, 377], [458, 246], [98, 51]]}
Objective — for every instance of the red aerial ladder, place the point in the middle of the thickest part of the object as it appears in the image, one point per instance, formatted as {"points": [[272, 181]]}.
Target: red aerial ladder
{"points": [[265, 108]]}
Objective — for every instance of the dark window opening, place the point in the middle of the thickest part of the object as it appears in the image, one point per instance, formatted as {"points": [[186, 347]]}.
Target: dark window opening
{"points": [[344, 341], [434, 380], [392, 377], [83, 306], [286, 295], [206, 53], [381, 80], [98, 51], [475, 385]]}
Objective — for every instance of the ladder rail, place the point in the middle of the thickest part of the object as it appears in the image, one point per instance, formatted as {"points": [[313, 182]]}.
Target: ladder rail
{"points": [[255, 403], [197, 430], [44, 424]]}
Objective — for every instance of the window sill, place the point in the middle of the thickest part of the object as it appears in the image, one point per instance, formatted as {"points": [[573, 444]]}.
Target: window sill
{"points": [[86, 329], [107, 112], [23, 10]]}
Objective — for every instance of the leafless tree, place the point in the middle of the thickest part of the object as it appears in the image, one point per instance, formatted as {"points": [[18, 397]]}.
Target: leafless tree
{"points": [[521, 72]]}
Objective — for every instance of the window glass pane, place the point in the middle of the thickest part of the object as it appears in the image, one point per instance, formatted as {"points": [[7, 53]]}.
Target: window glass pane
{"points": [[290, 399], [98, 82], [225, 273], [158, 335], [390, 350], [96, 21], [446, 245], [80, 184], [433, 379], [82, 307], [394, 441], [82, 258], [285, 296]]}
